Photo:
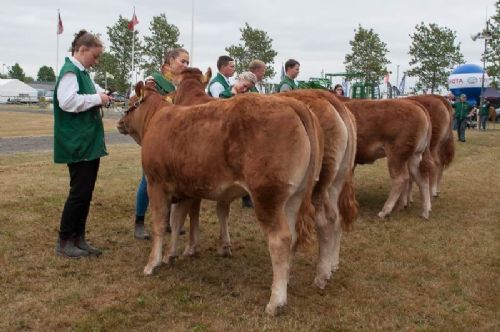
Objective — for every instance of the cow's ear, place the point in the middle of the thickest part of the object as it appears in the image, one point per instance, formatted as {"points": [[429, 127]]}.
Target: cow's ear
{"points": [[208, 75], [139, 88]]}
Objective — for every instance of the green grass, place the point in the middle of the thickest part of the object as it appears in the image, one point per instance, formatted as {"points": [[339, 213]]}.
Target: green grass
{"points": [[401, 273]]}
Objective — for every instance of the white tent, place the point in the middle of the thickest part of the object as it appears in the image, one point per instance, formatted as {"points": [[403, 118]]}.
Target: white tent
{"points": [[16, 91]]}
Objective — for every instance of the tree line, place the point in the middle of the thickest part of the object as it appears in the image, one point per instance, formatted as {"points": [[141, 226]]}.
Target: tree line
{"points": [[434, 52]]}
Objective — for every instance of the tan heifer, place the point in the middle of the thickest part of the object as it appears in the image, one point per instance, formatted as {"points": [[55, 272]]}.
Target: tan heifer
{"points": [[401, 131], [333, 195], [219, 150], [442, 147]]}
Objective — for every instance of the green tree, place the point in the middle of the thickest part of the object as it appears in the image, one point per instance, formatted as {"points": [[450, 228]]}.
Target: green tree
{"points": [[106, 72], [17, 72], [256, 45], [164, 36], [492, 54], [46, 74], [433, 54], [120, 38], [368, 56]]}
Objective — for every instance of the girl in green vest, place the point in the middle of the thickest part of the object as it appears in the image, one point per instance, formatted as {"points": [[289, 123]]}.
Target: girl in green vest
{"points": [[175, 62], [78, 140]]}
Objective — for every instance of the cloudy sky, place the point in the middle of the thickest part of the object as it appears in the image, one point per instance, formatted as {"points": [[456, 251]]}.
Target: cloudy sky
{"points": [[314, 32]]}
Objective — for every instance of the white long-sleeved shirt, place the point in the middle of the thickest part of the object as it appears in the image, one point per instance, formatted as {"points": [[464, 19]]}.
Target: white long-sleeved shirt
{"points": [[216, 89], [67, 93]]}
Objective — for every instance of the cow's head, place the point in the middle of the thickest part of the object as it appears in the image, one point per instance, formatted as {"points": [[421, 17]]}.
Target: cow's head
{"points": [[131, 123]]}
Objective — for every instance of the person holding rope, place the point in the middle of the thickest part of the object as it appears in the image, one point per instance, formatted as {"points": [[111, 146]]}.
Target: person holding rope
{"points": [[79, 140], [175, 61]]}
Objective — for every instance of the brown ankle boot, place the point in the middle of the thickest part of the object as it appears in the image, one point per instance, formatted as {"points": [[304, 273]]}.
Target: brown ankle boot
{"points": [[67, 247]]}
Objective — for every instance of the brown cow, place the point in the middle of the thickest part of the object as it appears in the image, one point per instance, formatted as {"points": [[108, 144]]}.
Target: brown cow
{"points": [[401, 131], [336, 171], [333, 195], [442, 145], [219, 150]]}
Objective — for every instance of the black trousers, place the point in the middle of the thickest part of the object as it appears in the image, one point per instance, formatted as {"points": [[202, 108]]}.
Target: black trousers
{"points": [[83, 175]]}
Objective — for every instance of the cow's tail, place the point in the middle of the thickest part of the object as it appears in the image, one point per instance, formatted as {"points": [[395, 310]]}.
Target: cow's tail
{"points": [[447, 151], [427, 163], [305, 224], [348, 205]]}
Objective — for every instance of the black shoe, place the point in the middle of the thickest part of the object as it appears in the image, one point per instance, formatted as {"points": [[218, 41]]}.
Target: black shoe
{"points": [[82, 244], [67, 248], [141, 233]]}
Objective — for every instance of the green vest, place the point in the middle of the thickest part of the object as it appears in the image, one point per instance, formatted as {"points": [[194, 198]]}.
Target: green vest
{"points": [[254, 89], [226, 94], [288, 81], [484, 109], [77, 136], [163, 86], [219, 78], [461, 110]]}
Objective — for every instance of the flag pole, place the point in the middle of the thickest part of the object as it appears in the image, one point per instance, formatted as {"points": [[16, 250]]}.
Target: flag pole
{"points": [[57, 47], [191, 56], [133, 52]]}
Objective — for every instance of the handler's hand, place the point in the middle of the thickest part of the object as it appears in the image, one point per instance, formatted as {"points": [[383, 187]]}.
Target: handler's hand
{"points": [[105, 99]]}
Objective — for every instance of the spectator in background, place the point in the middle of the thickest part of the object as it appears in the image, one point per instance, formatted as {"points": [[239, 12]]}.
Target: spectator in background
{"points": [[258, 68], [79, 140], [339, 90], [461, 111], [484, 114], [220, 83], [292, 68]]}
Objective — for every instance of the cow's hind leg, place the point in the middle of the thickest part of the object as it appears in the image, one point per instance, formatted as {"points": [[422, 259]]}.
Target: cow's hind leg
{"points": [[273, 221], [422, 181], [177, 217], [194, 228], [158, 201], [224, 248], [324, 231], [398, 171]]}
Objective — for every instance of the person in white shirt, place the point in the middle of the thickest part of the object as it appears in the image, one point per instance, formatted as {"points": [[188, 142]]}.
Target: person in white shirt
{"points": [[258, 68], [220, 83], [79, 140]]}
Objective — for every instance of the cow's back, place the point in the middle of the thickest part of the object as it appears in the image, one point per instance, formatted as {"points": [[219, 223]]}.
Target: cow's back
{"points": [[200, 149]]}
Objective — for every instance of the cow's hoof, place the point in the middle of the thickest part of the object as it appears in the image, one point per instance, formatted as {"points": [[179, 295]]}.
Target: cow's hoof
{"points": [[320, 282], [224, 251], [425, 215], [189, 252], [168, 260], [274, 311], [381, 215], [148, 270]]}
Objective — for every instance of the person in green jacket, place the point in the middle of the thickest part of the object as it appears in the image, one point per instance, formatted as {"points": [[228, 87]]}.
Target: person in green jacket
{"points": [[175, 61], [78, 140], [484, 114], [292, 68], [461, 110], [220, 83]]}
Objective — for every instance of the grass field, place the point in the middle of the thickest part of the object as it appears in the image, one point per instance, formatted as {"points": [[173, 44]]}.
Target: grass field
{"points": [[41, 123], [402, 273]]}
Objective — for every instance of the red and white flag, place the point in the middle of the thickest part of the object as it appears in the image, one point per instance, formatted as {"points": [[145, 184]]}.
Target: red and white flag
{"points": [[133, 22], [60, 27]]}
